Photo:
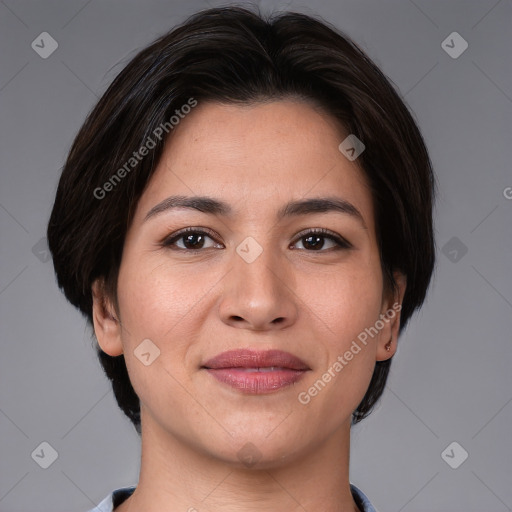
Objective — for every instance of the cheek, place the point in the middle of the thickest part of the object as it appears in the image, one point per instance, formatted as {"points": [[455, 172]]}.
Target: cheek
{"points": [[154, 297], [348, 300], [154, 302], [349, 303], [346, 304], [141, 302]]}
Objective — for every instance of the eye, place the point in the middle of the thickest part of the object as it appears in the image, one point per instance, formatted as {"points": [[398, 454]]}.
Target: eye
{"points": [[315, 240], [193, 239]]}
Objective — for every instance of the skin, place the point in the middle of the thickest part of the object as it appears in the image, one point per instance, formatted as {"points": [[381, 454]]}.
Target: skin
{"points": [[195, 305]]}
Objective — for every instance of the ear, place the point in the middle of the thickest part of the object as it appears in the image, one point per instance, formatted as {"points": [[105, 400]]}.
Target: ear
{"points": [[106, 325], [390, 317]]}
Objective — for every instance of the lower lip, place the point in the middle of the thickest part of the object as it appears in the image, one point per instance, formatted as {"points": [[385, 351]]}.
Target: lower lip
{"points": [[256, 382]]}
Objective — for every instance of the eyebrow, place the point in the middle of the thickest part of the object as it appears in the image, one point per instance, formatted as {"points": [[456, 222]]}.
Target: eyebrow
{"points": [[213, 206]]}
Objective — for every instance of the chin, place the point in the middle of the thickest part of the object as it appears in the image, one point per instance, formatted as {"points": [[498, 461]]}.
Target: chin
{"points": [[257, 450]]}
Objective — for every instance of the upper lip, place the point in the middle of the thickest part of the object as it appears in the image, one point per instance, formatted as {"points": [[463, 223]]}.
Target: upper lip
{"points": [[245, 358]]}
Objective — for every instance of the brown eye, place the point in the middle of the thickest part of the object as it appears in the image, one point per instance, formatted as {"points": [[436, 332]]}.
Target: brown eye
{"points": [[314, 240], [190, 239]]}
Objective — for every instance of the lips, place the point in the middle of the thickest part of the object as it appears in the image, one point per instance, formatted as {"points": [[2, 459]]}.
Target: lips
{"points": [[256, 372], [252, 359]]}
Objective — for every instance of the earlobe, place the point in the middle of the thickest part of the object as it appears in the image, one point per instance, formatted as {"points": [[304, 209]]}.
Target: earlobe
{"points": [[106, 325], [390, 316], [386, 350]]}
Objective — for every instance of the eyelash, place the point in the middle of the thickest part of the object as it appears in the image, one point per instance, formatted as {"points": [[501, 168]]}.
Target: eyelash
{"points": [[338, 240]]}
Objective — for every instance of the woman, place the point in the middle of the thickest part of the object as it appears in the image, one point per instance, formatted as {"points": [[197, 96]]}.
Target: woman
{"points": [[246, 220]]}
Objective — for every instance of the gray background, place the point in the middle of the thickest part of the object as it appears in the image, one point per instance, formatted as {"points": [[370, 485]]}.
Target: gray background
{"points": [[451, 379]]}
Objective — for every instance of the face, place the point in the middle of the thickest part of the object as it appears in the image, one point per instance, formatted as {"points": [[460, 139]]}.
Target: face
{"points": [[250, 275]]}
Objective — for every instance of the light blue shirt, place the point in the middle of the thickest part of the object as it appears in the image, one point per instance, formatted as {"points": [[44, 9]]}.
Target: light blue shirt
{"points": [[118, 496]]}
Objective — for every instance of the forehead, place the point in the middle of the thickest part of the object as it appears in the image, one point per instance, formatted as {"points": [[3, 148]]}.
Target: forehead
{"points": [[257, 156]]}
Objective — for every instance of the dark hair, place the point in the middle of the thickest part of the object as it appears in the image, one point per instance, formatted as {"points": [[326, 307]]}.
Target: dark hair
{"points": [[233, 55]]}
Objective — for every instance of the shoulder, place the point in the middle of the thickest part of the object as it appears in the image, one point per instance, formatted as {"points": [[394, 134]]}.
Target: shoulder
{"points": [[113, 500], [361, 500]]}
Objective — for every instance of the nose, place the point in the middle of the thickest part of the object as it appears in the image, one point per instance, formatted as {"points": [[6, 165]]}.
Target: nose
{"points": [[258, 295]]}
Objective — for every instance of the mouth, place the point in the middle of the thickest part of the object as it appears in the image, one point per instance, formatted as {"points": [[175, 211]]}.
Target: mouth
{"points": [[256, 372]]}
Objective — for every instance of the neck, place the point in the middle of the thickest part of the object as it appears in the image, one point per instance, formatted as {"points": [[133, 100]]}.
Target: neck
{"points": [[175, 476]]}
